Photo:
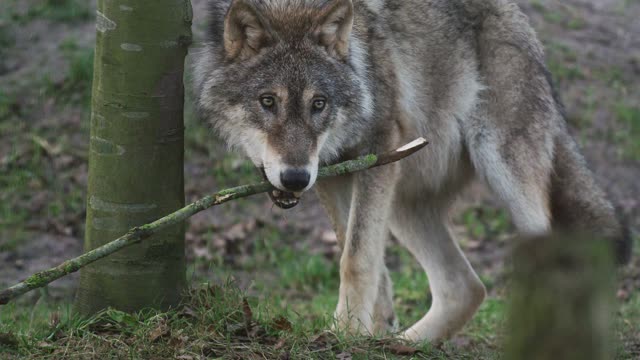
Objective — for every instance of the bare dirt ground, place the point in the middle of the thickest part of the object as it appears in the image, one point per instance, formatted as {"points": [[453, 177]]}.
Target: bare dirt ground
{"points": [[593, 50]]}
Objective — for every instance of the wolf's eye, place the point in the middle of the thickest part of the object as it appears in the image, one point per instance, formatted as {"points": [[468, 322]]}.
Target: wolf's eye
{"points": [[319, 104], [267, 102]]}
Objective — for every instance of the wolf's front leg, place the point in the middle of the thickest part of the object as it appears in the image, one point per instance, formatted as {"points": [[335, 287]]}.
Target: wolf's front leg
{"points": [[363, 253]]}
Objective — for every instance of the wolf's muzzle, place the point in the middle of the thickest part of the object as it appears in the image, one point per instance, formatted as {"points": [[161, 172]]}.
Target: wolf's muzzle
{"points": [[295, 179], [283, 199]]}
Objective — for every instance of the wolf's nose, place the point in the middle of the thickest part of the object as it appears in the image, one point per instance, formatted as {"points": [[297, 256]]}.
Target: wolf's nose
{"points": [[295, 179]]}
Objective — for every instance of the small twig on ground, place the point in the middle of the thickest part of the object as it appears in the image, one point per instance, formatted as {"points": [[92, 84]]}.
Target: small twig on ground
{"points": [[140, 233]]}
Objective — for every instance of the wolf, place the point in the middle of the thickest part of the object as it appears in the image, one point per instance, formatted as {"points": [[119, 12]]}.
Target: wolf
{"points": [[296, 84]]}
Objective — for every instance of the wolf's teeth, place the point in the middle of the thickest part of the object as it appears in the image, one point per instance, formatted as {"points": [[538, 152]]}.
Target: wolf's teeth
{"points": [[276, 193]]}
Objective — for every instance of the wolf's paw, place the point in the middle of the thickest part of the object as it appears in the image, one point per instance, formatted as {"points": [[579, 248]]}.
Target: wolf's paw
{"points": [[386, 325], [410, 336]]}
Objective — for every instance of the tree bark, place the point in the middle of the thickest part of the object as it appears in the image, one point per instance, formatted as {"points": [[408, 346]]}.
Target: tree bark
{"points": [[136, 153]]}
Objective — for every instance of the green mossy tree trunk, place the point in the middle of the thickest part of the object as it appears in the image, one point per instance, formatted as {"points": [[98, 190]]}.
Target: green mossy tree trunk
{"points": [[136, 153]]}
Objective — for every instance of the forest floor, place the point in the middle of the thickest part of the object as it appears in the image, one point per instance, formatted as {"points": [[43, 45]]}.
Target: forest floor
{"points": [[283, 262]]}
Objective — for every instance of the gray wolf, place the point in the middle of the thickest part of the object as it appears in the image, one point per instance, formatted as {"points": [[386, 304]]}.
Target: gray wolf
{"points": [[295, 84]]}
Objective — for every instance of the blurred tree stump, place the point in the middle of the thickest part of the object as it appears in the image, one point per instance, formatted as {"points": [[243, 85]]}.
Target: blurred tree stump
{"points": [[562, 301]]}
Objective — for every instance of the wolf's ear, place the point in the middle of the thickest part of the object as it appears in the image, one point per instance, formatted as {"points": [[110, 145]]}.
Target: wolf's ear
{"points": [[244, 33], [334, 28]]}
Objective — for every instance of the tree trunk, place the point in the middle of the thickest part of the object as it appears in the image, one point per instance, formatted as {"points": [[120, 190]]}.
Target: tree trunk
{"points": [[562, 302], [136, 153]]}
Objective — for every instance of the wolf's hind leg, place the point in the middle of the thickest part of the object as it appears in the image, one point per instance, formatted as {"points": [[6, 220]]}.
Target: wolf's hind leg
{"points": [[510, 136], [522, 186], [519, 142], [456, 289]]}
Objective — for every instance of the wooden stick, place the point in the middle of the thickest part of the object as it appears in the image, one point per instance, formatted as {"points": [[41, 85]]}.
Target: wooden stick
{"points": [[140, 233]]}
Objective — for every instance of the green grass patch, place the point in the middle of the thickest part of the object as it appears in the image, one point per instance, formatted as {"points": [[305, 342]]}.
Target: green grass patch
{"points": [[24, 319], [553, 17], [411, 287], [629, 135], [567, 20], [7, 106], [213, 321], [564, 72], [613, 76], [10, 240], [75, 87], [486, 326], [538, 6], [284, 317], [18, 174], [7, 37], [33, 188], [628, 328], [484, 222], [584, 120], [562, 63], [576, 23], [67, 11], [234, 170]]}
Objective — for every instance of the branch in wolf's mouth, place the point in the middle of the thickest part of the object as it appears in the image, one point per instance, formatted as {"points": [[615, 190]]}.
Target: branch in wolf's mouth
{"points": [[140, 233]]}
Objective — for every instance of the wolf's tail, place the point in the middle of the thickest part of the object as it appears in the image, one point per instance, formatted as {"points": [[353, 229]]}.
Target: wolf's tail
{"points": [[579, 204]]}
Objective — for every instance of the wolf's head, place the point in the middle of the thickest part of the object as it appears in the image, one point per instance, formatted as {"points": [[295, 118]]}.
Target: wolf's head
{"points": [[285, 82]]}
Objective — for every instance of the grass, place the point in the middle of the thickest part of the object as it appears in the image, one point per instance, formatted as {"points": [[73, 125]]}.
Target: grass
{"points": [[7, 41], [217, 321], [67, 11], [569, 21], [629, 134], [15, 178], [627, 326], [7, 104], [7, 38], [28, 167], [232, 169], [623, 5], [75, 87], [214, 321], [538, 6], [483, 222], [222, 321], [58, 11], [292, 295], [576, 23], [562, 62], [37, 189], [285, 315]]}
